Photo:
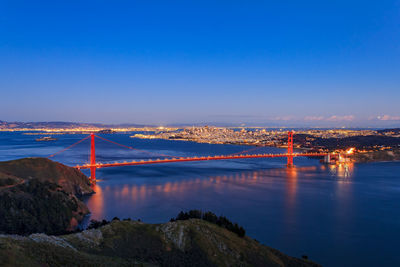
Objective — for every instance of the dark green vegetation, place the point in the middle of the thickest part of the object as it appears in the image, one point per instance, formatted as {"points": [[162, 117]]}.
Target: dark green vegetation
{"points": [[359, 142], [212, 218], [38, 195], [39, 207], [8, 180], [190, 242], [380, 155], [372, 143]]}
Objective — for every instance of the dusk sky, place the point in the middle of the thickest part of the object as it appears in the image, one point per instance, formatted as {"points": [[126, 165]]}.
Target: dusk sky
{"points": [[294, 63]]}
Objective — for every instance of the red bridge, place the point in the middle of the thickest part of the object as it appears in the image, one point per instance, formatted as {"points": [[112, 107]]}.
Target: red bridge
{"points": [[93, 165]]}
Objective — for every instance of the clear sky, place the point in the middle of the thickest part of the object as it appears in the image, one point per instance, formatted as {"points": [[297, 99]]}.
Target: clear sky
{"points": [[312, 63]]}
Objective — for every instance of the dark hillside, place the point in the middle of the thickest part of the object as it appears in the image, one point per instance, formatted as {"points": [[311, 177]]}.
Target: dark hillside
{"points": [[191, 243], [71, 180], [38, 195]]}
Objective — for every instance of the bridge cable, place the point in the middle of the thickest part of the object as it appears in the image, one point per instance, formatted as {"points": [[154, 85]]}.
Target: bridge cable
{"points": [[129, 147], [244, 151], [52, 155]]}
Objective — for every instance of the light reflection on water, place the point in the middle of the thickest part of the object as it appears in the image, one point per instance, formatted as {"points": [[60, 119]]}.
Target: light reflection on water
{"points": [[138, 194], [343, 170]]}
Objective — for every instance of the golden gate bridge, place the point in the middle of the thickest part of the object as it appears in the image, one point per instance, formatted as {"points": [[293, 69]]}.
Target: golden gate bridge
{"points": [[93, 165]]}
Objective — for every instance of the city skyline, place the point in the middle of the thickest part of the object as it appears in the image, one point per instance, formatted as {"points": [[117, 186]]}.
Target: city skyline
{"points": [[268, 64]]}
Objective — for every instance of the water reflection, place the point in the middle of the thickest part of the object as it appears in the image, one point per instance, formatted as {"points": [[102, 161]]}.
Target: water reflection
{"points": [[131, 193], [96, 202], [291, 187], [342, 170]]}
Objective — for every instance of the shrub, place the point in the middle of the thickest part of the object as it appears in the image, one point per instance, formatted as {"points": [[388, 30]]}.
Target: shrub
{"points": [[208, 216], [96, 224]]}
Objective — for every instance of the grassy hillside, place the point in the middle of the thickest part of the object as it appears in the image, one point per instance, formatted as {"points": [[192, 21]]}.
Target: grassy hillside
{"points": [[191, 242]]}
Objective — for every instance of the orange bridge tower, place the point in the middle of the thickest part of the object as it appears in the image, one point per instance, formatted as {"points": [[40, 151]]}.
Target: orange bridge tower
{"points": [[92, 159], [290, 149]]}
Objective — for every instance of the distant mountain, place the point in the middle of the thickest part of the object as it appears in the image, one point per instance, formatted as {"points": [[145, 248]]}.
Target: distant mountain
{"points": [[61, 124], [71, 125]]}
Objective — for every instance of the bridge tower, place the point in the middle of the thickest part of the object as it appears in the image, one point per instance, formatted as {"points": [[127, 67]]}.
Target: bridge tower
{"points": [[92, 159], [290, 149]]}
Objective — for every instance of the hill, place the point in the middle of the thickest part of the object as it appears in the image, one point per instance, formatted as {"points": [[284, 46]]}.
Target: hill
{"points": [[40, 195], [376, 156], [359, 142], [191, 242], [71, 180]]}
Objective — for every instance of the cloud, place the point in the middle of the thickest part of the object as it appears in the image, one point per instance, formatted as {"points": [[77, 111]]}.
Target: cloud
{"points": [[388, 118], [237, 116], [284, 118], [314, 118], [331, 118], [341, 118]]}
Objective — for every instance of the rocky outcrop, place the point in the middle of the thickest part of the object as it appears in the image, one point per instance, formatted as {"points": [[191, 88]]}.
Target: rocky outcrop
{"points": [[38, 195], [128, 243]]}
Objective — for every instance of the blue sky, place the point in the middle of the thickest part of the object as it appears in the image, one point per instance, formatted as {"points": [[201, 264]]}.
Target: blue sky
{"points": [[311, 63]]}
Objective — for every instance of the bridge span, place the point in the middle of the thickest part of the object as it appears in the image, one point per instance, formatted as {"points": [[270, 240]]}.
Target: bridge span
{"points": [[93, 164], [187, 159]]}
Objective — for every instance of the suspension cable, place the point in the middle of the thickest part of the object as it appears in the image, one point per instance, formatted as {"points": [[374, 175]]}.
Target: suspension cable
{"points": [[144, 151], [244, 151], [129, 147], [52, 155]]}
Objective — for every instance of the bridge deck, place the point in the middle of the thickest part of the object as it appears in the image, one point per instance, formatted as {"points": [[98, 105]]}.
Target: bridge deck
{"points": [[185, 159]]}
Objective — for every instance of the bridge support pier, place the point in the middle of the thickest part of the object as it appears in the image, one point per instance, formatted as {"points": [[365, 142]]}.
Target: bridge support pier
{"points": [[327, 158], [290, 149], [92, 160]]}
